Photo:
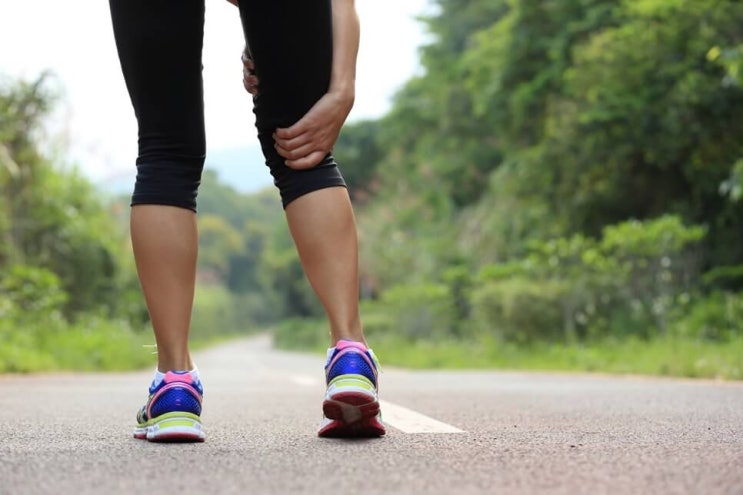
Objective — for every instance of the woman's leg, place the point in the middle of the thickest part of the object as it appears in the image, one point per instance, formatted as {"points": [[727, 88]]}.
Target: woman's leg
{"points": [[159, 45], [291, 45], [164, 239], [324, 230]]}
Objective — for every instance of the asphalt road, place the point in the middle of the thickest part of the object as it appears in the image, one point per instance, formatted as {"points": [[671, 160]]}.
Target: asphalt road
{"points": [[494, 432]]}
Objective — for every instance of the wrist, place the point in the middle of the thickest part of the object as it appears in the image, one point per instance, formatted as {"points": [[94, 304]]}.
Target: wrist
{"points": [[344, 92], [343, 89]]}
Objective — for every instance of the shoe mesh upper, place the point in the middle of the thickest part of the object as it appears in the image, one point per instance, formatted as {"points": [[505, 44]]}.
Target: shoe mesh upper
{"points": [[176, 399], [177, 392], [352, 362]]}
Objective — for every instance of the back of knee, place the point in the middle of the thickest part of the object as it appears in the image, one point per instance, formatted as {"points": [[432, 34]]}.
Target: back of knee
{"points": [[170, 181]]}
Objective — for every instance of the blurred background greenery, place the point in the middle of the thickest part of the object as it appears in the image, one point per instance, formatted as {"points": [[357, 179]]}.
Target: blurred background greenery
{"points": [[559, 188]]}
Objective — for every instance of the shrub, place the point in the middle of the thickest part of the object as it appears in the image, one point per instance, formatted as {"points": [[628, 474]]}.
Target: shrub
{"points": [[422, 311], [301, 334], [717, 317], [518, 310], [32, 290], [577, 288]]}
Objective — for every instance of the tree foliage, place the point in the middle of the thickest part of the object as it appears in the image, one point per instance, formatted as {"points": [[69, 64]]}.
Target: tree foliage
{"points": [[566, 123], [559, 170], [53, 218]]}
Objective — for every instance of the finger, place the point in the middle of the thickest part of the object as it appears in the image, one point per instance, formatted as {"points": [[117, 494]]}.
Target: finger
{"points": [[295, 142], [250, 88], [248, 73], [308, 161], [300, 127], [296, 153]]}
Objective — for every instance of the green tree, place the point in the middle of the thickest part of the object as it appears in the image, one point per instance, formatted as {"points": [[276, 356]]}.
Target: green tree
{"points": [[218, 243], [53, 218], [607, 111], [359, 152]]}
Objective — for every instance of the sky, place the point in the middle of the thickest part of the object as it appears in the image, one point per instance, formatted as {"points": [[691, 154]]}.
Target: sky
{"points": [[94, 121]]}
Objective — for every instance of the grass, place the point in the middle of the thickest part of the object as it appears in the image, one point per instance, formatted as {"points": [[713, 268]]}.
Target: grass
{"points": [[48, 342], [93, 344], [98, 344], [101, 345], [661, 356]]}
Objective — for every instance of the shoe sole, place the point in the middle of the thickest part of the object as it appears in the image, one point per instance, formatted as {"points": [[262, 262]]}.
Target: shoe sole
{"points": [[173, 427], [351, 415]]}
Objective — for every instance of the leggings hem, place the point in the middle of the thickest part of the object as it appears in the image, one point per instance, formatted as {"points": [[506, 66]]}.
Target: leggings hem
{"points": [[160, 201], [326, 185]]}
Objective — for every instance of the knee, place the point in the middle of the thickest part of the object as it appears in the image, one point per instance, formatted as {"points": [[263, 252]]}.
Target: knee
{"points": [[293, 184], [168, 181]]}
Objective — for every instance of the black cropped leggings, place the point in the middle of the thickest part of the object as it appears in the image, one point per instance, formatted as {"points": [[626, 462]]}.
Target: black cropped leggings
{"points": [[159, 44]]}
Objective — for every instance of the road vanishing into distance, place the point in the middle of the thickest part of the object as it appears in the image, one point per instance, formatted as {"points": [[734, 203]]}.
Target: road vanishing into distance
{"points": [[449, 433]]}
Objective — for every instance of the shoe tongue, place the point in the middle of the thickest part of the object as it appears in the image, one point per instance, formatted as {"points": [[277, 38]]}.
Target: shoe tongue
{"points": [[178, 376], [345, 344]]}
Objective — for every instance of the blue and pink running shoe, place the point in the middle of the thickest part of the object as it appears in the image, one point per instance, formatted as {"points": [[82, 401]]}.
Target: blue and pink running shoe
{"points": [[351, 406], [173, 411]]}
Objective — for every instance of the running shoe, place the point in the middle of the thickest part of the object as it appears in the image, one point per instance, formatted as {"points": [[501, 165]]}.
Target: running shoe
{"points": [[172, 413], [351, 406]]}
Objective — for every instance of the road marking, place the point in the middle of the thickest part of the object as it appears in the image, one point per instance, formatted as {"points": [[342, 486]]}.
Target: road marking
{"points": [[304, 380], [399, 417], [409, 421]]}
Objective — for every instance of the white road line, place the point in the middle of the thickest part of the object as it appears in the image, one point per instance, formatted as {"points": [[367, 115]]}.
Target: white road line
{"points": [[401, 418], [409, 421], [304, 380]]}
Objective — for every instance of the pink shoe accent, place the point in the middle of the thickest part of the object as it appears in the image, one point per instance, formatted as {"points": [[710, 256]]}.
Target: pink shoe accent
{"points": [[171, 377], [344, 344]]}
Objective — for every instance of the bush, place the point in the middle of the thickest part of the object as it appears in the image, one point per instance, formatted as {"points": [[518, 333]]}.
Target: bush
{"points": [[219, 312], [301, 334], [577, 288], [717, 317], [39, 343], [32, 291], [518, 310], [417, 312], [36, 336], [376, 320], [94, 343]]}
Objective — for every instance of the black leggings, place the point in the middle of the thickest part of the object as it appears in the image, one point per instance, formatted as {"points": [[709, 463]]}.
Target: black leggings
{"points": [[159, 44]]}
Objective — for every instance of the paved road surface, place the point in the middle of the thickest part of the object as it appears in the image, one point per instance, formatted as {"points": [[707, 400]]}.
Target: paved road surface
{"points": [[452, 433]]}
